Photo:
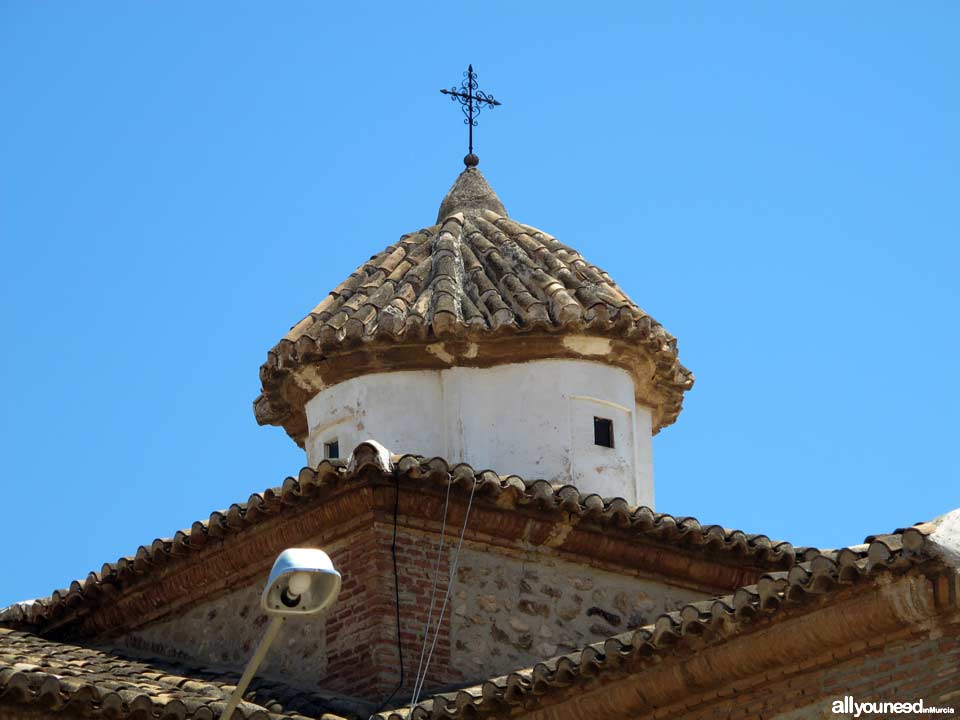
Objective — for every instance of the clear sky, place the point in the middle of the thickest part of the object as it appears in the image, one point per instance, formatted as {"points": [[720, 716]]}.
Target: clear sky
{"points": [[777, 184]]}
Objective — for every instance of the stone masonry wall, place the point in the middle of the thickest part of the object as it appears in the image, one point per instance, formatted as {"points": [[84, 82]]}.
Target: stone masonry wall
{"points": [[226, 631], [513, 611], [508, 610]]}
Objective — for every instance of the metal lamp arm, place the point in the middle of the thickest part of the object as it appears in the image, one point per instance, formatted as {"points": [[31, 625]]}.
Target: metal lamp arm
{"points": [[261, 652]]}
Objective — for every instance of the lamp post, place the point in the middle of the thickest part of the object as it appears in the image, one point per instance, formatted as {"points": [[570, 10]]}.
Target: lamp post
{"points": [[303, 581]]}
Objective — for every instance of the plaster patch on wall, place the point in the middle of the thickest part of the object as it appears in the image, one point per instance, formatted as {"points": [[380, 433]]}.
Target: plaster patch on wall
{"points": [[588, 345], [309, 379], [438, 350]]}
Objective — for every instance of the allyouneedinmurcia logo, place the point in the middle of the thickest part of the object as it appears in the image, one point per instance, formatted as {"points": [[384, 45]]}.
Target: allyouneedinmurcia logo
{"points": [[849, 706]]}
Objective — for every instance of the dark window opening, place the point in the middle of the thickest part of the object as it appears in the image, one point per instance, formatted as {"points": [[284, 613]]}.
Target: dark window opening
{"points": [[603, 432], [331, 450]]}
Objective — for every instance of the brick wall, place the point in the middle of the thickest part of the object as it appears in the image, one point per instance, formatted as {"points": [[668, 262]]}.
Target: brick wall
{"points": [[363, 657], [353, 624], [925, 668], [416, 561], [894, 668]]}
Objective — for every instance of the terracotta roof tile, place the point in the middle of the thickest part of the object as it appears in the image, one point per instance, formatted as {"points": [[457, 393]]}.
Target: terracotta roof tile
{"points": [[471, 277], [312, 486], [98, 682]]}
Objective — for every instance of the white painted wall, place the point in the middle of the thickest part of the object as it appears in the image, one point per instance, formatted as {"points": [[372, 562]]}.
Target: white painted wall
{"points": [[532, 419]]}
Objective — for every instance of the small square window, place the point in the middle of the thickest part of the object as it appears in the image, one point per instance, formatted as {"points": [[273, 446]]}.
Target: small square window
{"points": [[603, 432], [331, 450]]}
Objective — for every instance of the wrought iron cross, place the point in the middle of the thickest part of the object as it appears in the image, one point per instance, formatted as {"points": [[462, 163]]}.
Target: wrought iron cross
{"points": [[471, 102]]}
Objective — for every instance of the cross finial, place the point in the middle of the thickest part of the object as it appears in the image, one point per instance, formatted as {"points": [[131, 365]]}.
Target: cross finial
{"points": [[471, 102]]}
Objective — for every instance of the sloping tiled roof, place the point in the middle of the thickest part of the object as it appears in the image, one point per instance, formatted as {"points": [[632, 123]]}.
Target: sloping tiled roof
{"points": [[820, 573], [312, 486], [97, 682], [475, 276]]}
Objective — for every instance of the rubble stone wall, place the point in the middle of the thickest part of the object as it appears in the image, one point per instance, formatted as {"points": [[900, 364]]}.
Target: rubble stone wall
{"points": [[514, 611]]}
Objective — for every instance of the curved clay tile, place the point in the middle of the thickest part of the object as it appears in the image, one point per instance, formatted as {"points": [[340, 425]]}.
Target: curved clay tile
{"points": [[368, 460], [475, 276]]}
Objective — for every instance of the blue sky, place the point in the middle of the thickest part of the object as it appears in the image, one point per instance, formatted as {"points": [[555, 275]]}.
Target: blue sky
{"points": [[776, 184]]}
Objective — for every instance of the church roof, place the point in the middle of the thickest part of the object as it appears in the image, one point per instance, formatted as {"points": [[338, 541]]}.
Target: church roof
{"points": [[476, 281], [766, 582], [668, 544], [95, 681], [104, 681]]}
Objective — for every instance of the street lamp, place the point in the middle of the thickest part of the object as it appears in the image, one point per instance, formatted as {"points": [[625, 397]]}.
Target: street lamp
{"points": [[303, 581]]}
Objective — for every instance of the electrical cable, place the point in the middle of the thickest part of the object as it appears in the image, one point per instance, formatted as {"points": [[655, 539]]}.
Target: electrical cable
{"points": [[433, 591], [446, 598], [396, 588]]}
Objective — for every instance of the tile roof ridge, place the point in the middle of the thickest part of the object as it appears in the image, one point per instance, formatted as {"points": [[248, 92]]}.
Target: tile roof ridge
{"points": [[507, 491]]}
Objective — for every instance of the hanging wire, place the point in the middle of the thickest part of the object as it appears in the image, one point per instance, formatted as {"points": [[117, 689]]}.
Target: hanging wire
{"points": [[436, 578], [396, 588], [446, 598]]}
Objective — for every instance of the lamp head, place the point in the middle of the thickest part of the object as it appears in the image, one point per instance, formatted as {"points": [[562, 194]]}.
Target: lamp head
{"points": [[303, 581]]}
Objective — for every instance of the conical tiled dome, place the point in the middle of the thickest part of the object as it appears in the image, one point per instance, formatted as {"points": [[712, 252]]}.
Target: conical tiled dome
{"points": [[477, 289]]}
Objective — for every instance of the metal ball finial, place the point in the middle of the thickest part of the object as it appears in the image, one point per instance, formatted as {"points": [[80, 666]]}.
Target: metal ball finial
{"points": [[471, 160]]}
